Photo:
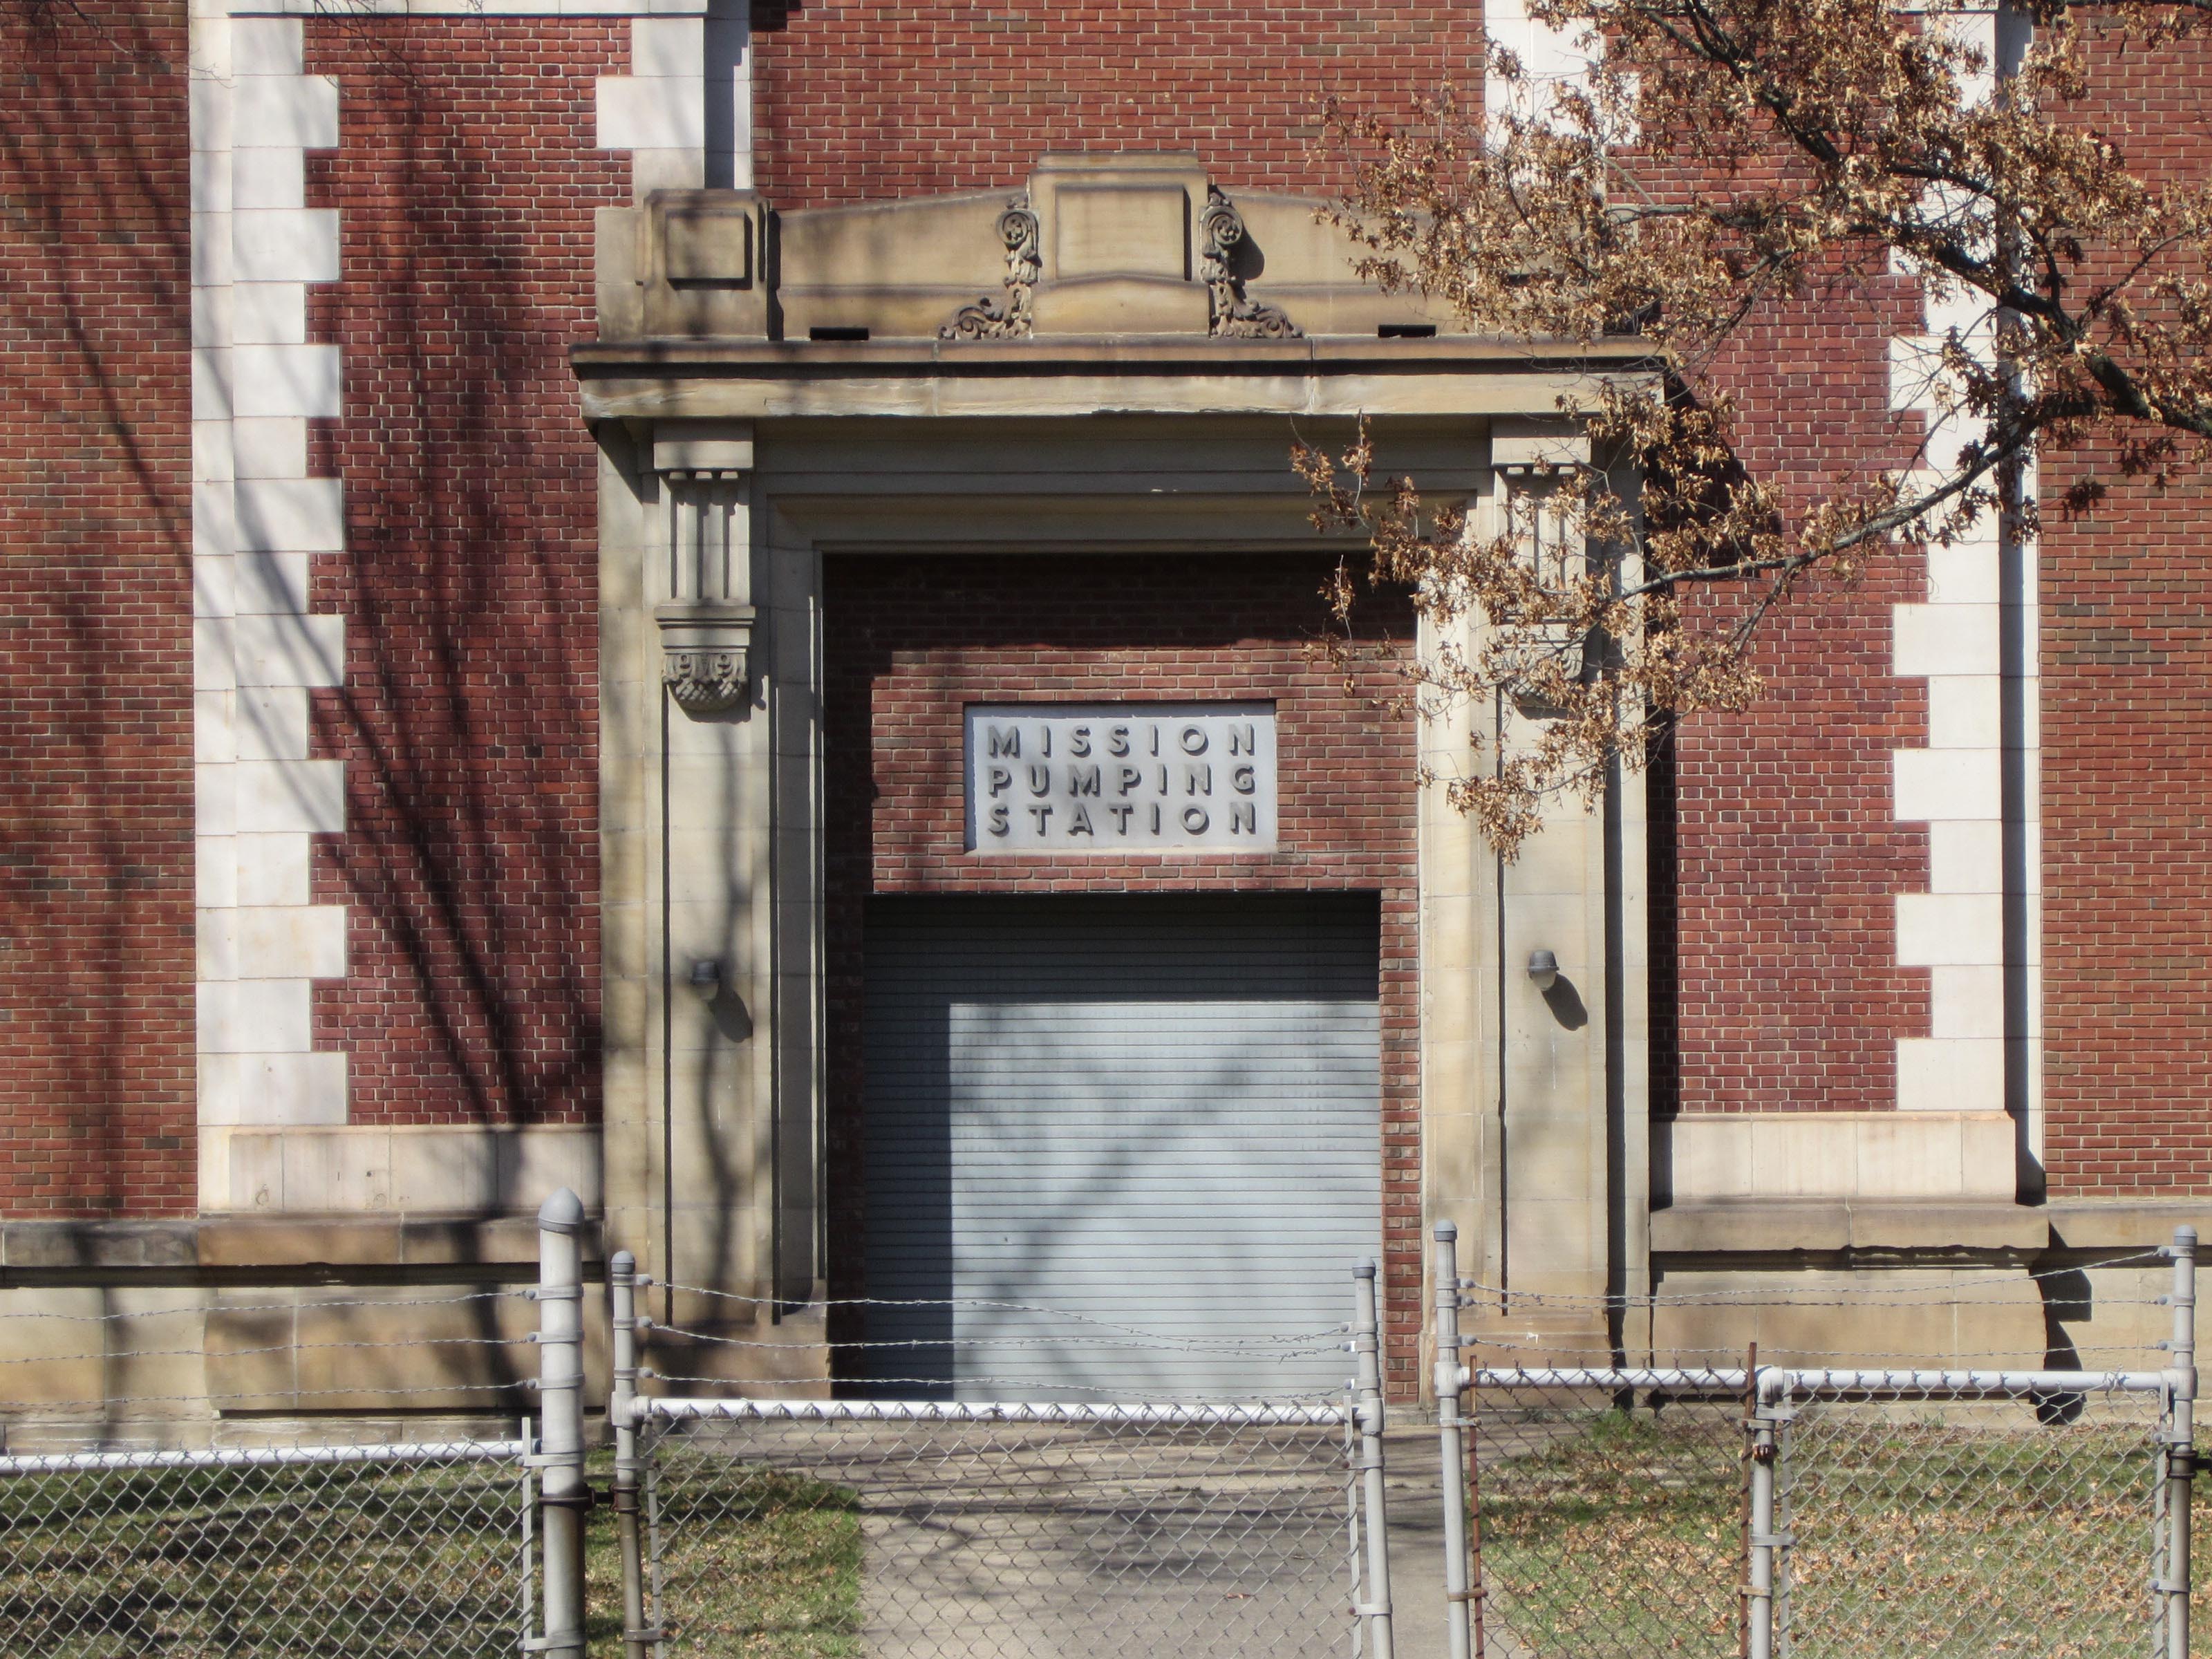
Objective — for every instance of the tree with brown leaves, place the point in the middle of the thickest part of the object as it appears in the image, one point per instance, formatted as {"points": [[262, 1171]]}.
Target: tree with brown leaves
{"points": [[1710, 161]]}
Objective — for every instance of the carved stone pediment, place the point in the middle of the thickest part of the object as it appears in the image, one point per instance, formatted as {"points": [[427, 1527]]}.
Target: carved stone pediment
{"points": [[1090, 245]]}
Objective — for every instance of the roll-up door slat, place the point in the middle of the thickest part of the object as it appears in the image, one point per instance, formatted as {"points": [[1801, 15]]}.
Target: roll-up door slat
{"points": [[1153, 1112]]}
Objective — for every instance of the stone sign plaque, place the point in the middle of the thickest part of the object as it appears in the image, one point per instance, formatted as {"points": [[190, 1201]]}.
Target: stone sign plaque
{"points": [[1121, 777]]}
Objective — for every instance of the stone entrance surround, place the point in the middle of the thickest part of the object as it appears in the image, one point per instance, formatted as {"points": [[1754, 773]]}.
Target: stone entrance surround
{"points": [[1114, 358]]}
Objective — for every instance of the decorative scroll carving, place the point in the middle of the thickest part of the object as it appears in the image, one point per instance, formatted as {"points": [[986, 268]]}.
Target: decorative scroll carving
{"points": [[705, 648], [995, 319], [1221, 229], [705, 682]]}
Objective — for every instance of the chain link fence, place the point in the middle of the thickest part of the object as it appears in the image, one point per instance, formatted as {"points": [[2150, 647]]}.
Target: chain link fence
{"points": [[399, 1549], [1692, 1506], [349, 1480], [1961, 1522], [999, 1531], [1608, 1518], [1613, 1513], [153, 1518]]}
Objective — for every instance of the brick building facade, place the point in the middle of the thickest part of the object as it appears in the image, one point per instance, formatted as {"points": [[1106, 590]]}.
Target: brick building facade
{"points": [[504, 511]]}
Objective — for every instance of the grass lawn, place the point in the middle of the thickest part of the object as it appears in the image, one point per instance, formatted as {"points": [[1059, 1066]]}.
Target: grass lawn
{"points": [[1610, 1533], [757, 1564], [365, 1563], [318, 1563]]}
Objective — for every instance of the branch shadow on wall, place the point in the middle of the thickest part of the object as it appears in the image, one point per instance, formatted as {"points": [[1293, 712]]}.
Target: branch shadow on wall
{"points": [[96, 926], [468, 721], [1157, 1111]]}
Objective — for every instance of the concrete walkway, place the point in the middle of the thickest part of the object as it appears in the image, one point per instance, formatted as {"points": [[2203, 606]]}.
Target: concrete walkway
{"points": [[1070, 1544], [1025, 1542]]}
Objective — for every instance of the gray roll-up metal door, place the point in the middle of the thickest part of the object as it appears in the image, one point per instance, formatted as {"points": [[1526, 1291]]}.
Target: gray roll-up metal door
{"points": [[1087, 1116]]}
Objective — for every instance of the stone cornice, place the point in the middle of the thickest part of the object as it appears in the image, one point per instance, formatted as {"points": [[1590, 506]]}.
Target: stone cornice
{"points": [[1168, 353], [720, 378]]}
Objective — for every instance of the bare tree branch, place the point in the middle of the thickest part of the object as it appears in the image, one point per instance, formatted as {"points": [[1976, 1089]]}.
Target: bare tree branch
{"points": [[1721, 158]]}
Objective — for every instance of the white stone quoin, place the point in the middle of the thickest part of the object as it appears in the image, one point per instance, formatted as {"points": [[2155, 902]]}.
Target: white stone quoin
{"points": [[1955, 785], [685, 111], [257, 521]]}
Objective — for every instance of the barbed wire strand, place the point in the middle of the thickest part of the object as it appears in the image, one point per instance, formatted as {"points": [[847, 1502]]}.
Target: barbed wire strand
{"points": [[1286, 1347], [1873, 1296], [980, 1303], [1037, 1387]]}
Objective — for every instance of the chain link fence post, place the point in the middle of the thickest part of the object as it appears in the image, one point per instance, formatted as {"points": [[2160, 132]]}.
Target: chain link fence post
{"points": [[622, 1322], [1763, 1425], [562, 1495], [1367, 1348], [2180, 1441], [1451, 1380]]}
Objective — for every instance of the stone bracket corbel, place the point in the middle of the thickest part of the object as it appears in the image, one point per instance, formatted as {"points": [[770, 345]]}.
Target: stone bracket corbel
{"points": [[707, 623], [705, 654]]}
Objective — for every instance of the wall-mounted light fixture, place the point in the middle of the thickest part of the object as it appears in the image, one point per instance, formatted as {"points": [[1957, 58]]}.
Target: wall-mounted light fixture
{"points": [[706, 980], [1543, 969]]}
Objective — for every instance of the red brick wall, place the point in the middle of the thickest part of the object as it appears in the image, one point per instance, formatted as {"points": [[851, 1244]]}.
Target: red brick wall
{"points": [[466, 183], [2126, 663], [2127, 840], [1786, 989], [910, 642], [877, 99], [96, 1070]]}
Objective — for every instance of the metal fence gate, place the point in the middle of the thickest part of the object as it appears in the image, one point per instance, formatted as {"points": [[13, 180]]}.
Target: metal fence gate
{"points": [[1003, 1529], [1960, 1514], [1008, 1530]]}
